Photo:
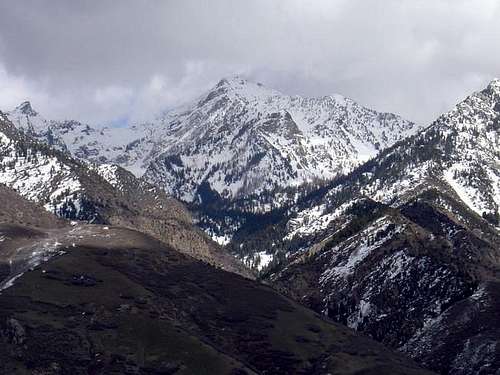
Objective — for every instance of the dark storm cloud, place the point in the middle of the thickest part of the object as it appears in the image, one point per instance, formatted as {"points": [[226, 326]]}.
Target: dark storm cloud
{"points": [[109, 60]]}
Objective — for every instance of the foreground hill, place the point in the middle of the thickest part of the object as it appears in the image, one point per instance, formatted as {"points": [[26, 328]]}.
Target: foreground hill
{"points": [[104, 300]]}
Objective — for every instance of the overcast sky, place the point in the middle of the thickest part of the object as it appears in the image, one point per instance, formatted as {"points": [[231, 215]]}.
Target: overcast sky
{"points": [[116, 61]]}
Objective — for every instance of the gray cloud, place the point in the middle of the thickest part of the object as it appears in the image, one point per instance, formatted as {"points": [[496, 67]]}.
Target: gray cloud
{"points": [[108, 61]]}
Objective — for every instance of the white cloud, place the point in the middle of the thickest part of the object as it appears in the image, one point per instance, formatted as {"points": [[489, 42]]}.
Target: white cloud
{"points": [[102, 61], [13, 90]]}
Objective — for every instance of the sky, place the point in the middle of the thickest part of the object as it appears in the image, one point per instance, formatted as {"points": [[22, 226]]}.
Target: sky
{"points": [[120, 62]]}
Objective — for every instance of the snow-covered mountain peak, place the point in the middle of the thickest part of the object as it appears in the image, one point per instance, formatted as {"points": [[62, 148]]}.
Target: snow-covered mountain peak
{"points": [[243, 138], [491, 92], [27, 119], [240, 82], [239, 88], [340, 99], [240, 138]]}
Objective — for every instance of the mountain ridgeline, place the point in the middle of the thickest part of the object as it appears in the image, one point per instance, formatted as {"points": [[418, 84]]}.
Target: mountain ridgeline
{"points": [[406, 247], [245, 148], [366, 218]]}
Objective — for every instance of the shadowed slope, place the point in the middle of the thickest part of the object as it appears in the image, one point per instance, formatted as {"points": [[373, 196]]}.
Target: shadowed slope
{"points": [[118, 301]]}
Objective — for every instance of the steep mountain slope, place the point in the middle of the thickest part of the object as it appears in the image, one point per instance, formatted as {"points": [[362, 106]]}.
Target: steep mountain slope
{"points": [[397, 273], [459, 154], [18, 210], [406, 247], [242, 138], [101, 300], [105, 194]]}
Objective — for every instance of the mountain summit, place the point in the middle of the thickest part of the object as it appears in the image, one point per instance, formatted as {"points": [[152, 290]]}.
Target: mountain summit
{"points": [[458, 153], [243, 138], [239, 138]]}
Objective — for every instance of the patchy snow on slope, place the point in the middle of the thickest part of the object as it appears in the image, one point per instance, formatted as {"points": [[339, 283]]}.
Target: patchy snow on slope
{"points": [[221, 240], [471, 195], [466, 194], [29, 257], [69, 188], [109, 173], [258, 260], [38, 177], [314, 220], [363, 310], [350, 253]]}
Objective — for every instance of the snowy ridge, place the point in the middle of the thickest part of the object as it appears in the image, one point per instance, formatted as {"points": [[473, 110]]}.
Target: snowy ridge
{"points": [[258, 261], [244, 138], [109, 173], [37, 176], [459, 153], [95, 144], [358, 248], [240, 137], [314, 220]]}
